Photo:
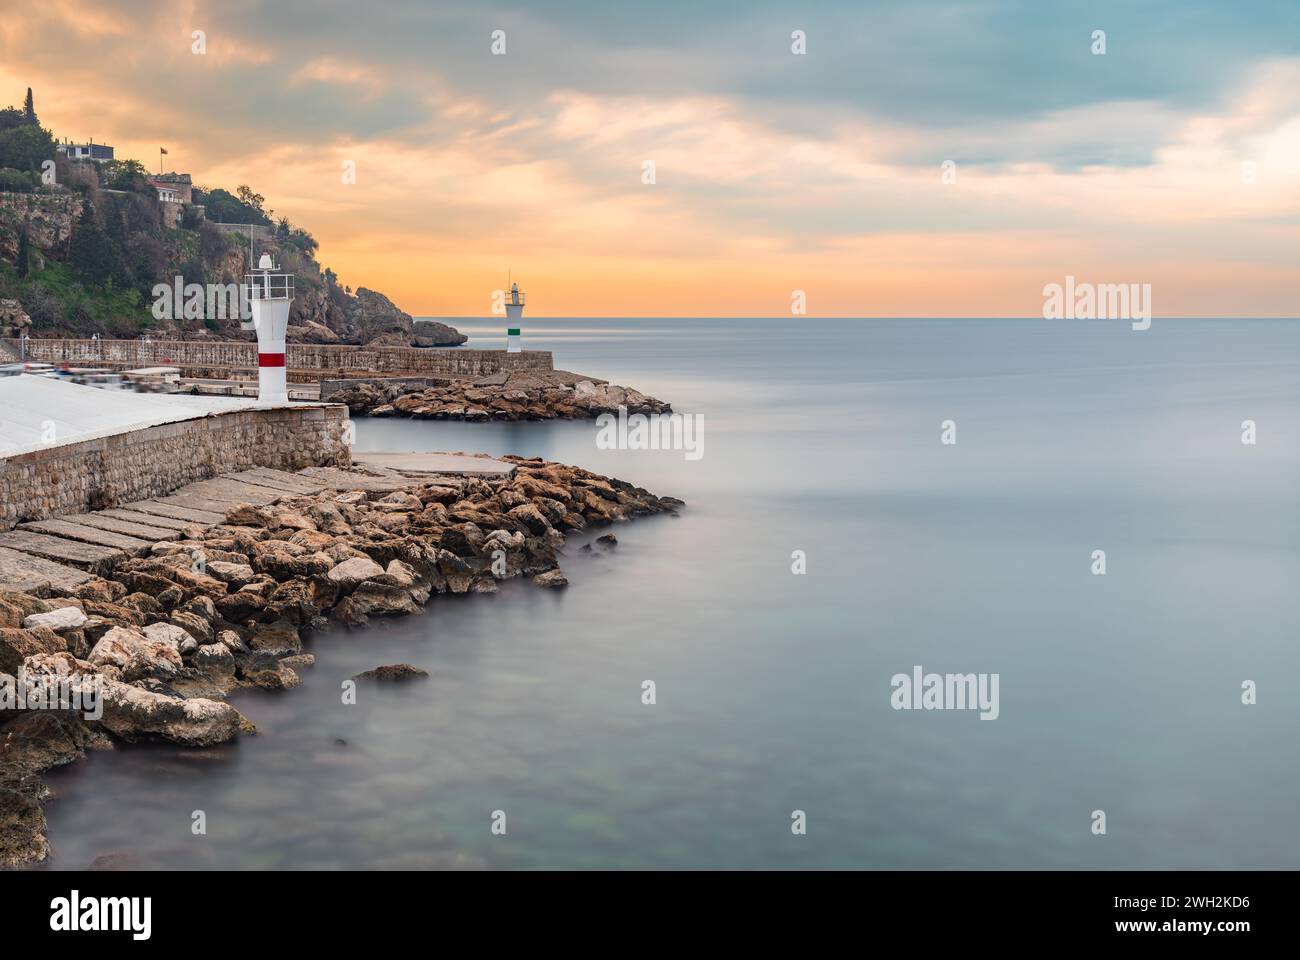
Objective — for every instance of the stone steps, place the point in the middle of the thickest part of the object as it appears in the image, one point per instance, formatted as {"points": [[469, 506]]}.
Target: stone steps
{"points": [[85, 534], [132, 528], [64, 552], [29, 574], [83, 556], [175, 511]]}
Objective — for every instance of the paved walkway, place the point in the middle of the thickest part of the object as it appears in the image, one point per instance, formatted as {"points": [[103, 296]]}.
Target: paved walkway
{"points": [[420, 463], [66, 552]]}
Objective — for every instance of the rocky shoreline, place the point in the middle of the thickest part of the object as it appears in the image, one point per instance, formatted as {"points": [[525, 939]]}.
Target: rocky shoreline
{"points": [[550, 395], [166, 637]]}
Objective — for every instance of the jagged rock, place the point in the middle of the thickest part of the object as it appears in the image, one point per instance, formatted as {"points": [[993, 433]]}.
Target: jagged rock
{"points": [[234, 574], [58, 620], [392, 671], [17, 645], [169, 633], [198, 627], [131, 713], [215, 656], [350, 573], [136, 655], [22, 824], [247, 515], [279, 639], [530, 517], [431, 333], [269, 673], [375, 598], [551, 579]]}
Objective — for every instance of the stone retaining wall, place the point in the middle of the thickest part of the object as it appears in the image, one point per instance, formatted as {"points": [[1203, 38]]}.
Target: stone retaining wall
{"points": [[305, 361], [154, 461]]}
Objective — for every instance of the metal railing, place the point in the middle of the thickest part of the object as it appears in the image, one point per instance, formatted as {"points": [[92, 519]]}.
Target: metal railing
{"points": [[268, 286]]}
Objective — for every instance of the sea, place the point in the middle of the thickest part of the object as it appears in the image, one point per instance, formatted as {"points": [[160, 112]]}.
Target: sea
{"points": [[1106, 520]]}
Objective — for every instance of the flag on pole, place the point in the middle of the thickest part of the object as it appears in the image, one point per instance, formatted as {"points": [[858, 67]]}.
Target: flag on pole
{"points": [[162, 149]]}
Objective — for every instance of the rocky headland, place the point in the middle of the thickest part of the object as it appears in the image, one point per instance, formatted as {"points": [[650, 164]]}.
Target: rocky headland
{"points": [[168, 635], [549, 395]]}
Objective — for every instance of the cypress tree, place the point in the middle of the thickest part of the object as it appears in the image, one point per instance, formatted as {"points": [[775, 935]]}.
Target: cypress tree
{"points": [[24, 253], [29, 110]]}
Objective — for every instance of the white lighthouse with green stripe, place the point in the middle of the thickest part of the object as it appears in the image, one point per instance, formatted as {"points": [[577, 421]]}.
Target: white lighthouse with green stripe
{"points": [[514, 311]]}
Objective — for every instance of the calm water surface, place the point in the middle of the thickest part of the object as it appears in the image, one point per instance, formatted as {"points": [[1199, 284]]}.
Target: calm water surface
{"points": [[1119, 693]]}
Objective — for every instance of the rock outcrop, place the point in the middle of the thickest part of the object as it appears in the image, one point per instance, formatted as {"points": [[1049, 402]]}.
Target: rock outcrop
{"points": [[163, 644], [555, 395], [431, 333]]}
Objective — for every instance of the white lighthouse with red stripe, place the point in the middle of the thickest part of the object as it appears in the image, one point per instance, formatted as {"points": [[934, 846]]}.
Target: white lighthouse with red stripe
{"points": [[269, 295]]}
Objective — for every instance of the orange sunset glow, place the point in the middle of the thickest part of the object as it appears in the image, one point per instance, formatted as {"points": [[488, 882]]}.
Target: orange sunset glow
{"points": [[469, 165]]}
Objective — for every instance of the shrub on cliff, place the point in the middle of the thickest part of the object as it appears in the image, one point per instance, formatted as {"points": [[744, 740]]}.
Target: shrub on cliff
{"points": [[17, 181], [43, 306]]}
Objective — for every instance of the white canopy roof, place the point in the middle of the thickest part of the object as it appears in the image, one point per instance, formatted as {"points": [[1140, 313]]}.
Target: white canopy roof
{"points": [[40, 412]]}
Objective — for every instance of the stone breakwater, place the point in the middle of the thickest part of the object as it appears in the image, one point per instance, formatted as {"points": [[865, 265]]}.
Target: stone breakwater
{"points": [[165, 637], [557, 395]]}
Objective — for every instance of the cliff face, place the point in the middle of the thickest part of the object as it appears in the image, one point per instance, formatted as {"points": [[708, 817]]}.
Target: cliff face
{"points": [[49, 218], [323, 311]]}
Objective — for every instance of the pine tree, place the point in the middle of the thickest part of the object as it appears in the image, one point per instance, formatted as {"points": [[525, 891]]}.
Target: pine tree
{"points": [[29, 110], [24, 253]]}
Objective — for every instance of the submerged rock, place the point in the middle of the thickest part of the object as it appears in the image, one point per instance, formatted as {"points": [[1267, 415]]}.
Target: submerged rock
{"points": [[392, 671], [551, 579]]}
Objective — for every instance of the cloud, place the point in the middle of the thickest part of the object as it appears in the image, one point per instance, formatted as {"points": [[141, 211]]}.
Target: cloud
{"points": [[781, 171]]}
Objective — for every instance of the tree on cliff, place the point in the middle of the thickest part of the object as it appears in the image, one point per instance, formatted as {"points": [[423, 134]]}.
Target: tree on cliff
{"points": [[95, 258], [25, 147], [29, 110], [224, 207], [24, 253]]}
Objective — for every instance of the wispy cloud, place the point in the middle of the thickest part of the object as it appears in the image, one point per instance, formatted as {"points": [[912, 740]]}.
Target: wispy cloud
{"points": [[774, 171]]}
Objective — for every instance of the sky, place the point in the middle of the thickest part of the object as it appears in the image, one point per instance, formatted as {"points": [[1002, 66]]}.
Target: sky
{"points": [[1172, 159]]}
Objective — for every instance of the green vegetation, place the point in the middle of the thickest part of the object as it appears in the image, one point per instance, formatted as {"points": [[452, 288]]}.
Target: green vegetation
{"points": [[101, 278]]}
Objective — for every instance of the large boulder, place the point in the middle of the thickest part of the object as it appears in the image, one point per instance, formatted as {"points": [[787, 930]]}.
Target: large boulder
{"points": [[279, 639], [17, 645], [137, 656], [131, 713], [58, 620], [354, 571]]}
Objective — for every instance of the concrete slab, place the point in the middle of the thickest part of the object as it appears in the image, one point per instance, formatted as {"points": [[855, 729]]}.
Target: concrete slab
{"points": [[422, 463], [280, 480], [177, 511], [194, 504], [85, 556], [21, 571], [75, 531], [129, 527], [154, 520], [335, 478], [233, 491]]}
